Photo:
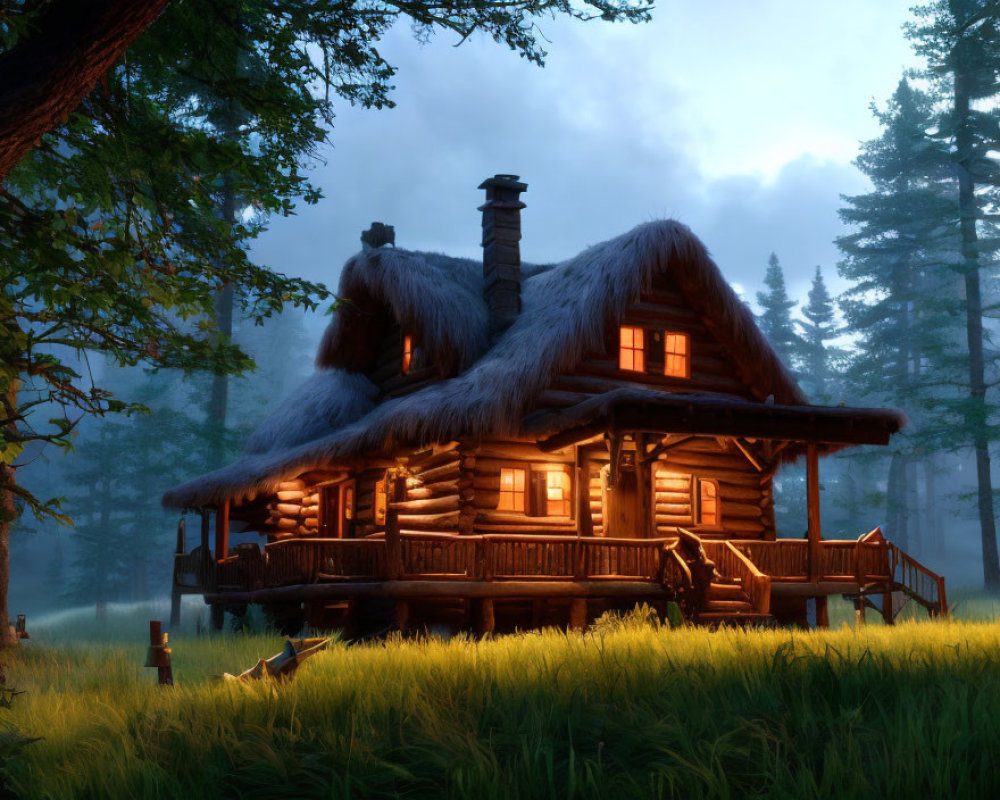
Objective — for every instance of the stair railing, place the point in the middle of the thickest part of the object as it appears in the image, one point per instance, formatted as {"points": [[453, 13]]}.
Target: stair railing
{"points": [[920, 583], [732, 563]]}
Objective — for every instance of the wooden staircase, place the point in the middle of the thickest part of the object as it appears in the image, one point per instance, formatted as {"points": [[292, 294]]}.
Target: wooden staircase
{"points": [[727, 604]]}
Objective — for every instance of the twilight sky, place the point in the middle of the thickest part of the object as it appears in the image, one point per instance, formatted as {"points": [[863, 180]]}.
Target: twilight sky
{"points": [[738, 117]]}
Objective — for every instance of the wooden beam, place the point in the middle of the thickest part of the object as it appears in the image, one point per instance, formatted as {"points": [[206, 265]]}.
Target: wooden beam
{"points": [[222, 531], [812, 506], [746, 452], [669, 443]]}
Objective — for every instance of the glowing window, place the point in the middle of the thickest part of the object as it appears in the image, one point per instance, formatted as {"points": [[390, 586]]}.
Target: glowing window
{"points": [[407, 353], [557, 494], [708, 502], [631, 353], [380, 502], [676, 355], [349, 502], [511, 490]]}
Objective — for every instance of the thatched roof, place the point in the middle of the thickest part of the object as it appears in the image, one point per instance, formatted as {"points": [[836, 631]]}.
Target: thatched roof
{"points": [[565, 310]]}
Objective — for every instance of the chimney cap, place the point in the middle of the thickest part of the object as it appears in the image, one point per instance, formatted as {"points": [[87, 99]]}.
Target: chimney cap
{"points": [[377, 235], [504, 181]]}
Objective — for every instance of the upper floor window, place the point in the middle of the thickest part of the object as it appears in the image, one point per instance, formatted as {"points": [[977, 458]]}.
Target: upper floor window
{"points": [[632, 349], [407, 353], [676, 355]]}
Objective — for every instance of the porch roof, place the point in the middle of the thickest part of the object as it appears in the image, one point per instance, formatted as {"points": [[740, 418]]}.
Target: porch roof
{"points": [[636, 410]]}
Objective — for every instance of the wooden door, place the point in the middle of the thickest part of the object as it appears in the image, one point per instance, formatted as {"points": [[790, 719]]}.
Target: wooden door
{"points": [[622, 515]]}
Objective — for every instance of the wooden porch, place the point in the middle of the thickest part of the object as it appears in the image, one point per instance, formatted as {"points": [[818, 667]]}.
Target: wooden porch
{"points": [[711, 580]]}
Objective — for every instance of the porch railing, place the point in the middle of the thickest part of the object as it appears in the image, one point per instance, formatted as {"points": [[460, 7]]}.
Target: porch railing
{"points": [[429, 556]]}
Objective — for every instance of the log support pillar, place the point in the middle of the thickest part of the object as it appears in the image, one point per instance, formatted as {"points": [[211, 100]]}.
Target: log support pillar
{"points": [[483, 621], [401, 615], [887, 616], [222, 531], [578, 614], [537, 612], [812, 503], [217, 616], [822, 612]]}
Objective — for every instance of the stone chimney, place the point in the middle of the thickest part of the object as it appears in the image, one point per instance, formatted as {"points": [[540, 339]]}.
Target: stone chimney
{"points": [[501, 250]]}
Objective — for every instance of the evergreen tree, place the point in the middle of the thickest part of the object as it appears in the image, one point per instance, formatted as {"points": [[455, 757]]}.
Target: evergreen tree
{"points": [[961, 41], [817, 356], [901, 304], [776, 318]]}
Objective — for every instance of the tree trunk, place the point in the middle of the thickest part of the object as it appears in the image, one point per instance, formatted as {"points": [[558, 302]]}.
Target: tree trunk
{"points": [[975, 421], [8, 513], [45, 76]]}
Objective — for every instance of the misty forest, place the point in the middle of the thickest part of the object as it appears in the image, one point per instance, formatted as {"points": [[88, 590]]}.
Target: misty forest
{"points": [[543, 528], [138, 328]]}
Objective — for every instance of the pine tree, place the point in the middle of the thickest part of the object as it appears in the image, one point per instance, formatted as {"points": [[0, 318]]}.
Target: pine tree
{"points": [[901, 304], [776, 318], [961, 41], [817, 356]]}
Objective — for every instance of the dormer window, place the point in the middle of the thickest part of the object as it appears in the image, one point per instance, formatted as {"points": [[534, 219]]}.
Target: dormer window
{"points": [[632, 349], [676, 355], [407, 354]]}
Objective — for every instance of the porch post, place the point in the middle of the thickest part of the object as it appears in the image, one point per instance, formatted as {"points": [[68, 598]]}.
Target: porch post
{"points": [[222, 531], [812, 504]]}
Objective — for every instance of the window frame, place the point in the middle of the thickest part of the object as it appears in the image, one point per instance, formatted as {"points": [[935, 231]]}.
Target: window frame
{"points": [[536, 489], [406, 363], [669, 336], [696, 504], [514, 492], [637, 351]]}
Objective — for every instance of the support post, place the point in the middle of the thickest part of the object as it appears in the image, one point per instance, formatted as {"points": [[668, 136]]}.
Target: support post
{"points": [[859, 612], [812, 505], [393, 542], [822, 612], [222, 531], [578, 614], [159, 654], [887, 616], [483, 619], [175, 597], [218, 617], [401, 615]]}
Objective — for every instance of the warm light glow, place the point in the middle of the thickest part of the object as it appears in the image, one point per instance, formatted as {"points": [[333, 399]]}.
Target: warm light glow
{"points": [[631, 353], [676, 351], [380, 502], [557, 494], [407, 353], [511, 490], [708, 502], [349, 502]]}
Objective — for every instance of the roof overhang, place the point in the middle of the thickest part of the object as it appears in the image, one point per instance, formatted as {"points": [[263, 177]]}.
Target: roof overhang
{"points": [[622, 411]]}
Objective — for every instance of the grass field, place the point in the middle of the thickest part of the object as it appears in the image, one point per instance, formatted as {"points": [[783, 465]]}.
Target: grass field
{"points": [[626, 710]]}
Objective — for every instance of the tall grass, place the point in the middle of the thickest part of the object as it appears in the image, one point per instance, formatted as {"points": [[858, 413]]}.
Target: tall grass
{"points": [[628, 710]]}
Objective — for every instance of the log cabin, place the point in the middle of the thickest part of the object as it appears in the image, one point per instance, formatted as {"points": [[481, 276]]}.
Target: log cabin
{"points": [[495, 445]]}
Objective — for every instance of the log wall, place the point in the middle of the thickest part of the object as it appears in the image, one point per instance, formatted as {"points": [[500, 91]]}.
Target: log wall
{"points": [[387, 371], [660, 308], [490, 458]]}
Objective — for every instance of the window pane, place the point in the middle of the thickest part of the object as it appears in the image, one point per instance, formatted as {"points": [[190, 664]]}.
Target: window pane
{"points": [[557, 494], [511, 490], [709, 502], [676, 363], [631, 355], [407, 353]]}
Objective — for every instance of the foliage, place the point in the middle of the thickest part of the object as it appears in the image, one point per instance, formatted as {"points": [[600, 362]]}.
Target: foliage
{"points": [[110, 231], [637, 711]]}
